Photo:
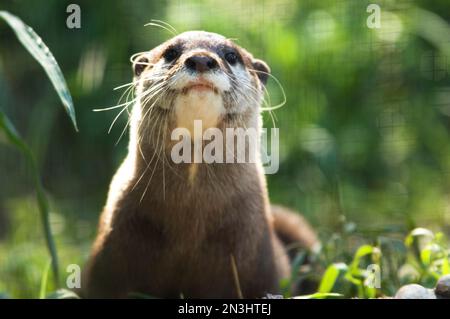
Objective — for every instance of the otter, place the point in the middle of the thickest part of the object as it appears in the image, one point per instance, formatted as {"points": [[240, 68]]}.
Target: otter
{"points": [[198, 230]]}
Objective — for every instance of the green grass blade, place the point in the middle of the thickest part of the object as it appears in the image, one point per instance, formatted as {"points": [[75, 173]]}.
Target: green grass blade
{"points": [[362, 251], [44, 281], [14, 138], [37, 48], [330, 277], [318, 295]]}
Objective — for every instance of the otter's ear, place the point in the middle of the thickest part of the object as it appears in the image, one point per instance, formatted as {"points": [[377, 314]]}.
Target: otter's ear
{"points": [[262, 70], [140, 65]]}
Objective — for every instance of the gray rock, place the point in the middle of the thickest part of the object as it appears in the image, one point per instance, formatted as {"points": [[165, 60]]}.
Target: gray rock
{"points": [[443, 287], [415, 291]]}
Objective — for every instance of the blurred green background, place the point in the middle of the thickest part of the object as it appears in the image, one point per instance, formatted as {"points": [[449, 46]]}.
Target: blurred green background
{"points": [[365, 143]]}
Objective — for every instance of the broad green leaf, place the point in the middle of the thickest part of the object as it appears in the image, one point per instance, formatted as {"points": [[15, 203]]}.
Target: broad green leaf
{"points": [[37, 48], [330, 277]]}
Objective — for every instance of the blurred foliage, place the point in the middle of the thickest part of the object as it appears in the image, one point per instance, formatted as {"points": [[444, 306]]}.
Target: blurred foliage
{"points": [[37, 48], [374, 270], [365, 145]]}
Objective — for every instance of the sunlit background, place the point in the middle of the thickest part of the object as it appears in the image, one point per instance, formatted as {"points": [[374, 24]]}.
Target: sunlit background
{"points": [[365, 143]]}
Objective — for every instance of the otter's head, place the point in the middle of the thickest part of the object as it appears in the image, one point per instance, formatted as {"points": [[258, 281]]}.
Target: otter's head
{"points": [[199, 76]]}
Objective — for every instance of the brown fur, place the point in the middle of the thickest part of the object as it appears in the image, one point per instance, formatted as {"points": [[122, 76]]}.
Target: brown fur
{"points": [[167, 234]]}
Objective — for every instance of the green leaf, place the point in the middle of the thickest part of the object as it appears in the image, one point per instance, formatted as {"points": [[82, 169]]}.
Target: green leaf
{"points": [[360, 253], [445, 266], [14, 138], [318, 295], [357, 282], [44, 280], [37, 48], [430, 253], [330, 277], [363, 251], [10, 131], [287, 283]]}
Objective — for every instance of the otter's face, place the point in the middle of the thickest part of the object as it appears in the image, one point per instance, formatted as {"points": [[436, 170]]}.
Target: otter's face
{"points": [[200, 76]]}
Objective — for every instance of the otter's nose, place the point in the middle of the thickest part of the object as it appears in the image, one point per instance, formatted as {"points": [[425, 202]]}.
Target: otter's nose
{"points": [[201, 63]]}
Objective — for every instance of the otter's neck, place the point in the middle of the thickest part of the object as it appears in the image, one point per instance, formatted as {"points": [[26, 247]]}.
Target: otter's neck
{"points": [[165, 193], [151, 145]]}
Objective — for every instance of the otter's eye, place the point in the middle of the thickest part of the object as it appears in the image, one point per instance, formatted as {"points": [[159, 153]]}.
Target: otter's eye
{"points": [[140, 66], [171, 54], [231, 57]]}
